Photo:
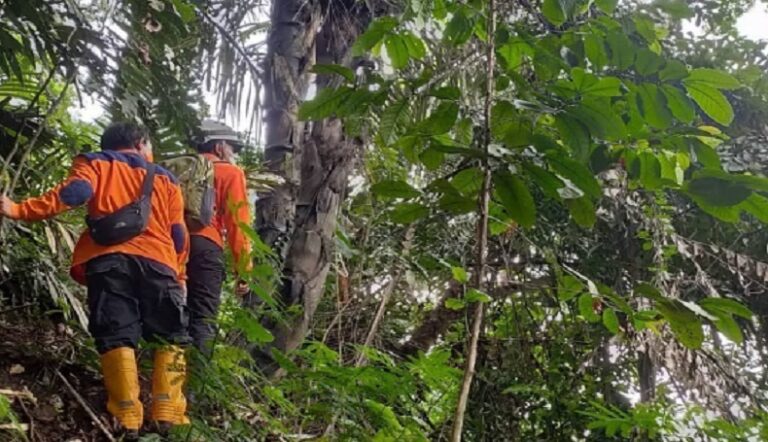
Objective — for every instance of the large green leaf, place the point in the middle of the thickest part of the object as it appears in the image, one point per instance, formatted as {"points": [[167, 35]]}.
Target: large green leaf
{"points": [[394, 189], [622, 50], [468, 181], [607, 6], [373, 35], [586, 308], [577, 173], [680, 105], [713, 78], [717, 191], [653, 106], [330, 69], [575, 136], [546, 180], [457, 204], [583, 211], [397, 50], [416, 48], [650, 171], [610, 321], [553, 11], [727, 305], [394, 119], [516, 198], [684, 323], [711, 101], [595, 50], [407, 213], [441, 120], [598, 116], [648, 62], [325, 104], [459, 29], [757, 206], [513, 52]]}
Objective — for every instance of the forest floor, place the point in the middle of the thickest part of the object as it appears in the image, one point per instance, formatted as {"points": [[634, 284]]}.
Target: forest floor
{"points": [[52, 383]]}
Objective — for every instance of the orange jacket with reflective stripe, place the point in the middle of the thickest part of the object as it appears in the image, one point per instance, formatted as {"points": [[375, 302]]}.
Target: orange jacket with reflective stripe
{"points": [[107, 181], [231, 210]]}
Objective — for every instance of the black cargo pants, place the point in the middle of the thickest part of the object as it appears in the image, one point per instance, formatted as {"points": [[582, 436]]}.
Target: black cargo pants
{"points": [[205, 271], [132, 297]]}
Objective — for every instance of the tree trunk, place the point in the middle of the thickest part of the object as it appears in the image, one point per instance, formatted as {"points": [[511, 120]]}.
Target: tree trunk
{"points": [[316, 162], [290, 55]]}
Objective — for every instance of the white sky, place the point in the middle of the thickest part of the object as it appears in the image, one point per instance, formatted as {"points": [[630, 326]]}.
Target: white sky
{"points": [[752, 25]]}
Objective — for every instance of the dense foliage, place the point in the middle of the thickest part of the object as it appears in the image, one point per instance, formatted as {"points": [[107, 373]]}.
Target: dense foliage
{"points": [[626, 265]]}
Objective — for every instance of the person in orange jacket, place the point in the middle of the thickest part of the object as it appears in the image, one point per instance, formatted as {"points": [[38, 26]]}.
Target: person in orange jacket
{"points": [[135, 286], [219, 144]]}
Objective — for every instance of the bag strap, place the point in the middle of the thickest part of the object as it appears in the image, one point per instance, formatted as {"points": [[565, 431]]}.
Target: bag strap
{"points": [[149, 181]]}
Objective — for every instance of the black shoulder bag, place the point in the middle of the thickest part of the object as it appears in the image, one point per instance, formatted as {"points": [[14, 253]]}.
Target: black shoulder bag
{"points": [[128, 221]]}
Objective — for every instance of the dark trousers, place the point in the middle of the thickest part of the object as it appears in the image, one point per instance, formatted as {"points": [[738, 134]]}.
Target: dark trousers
{"points": [[131, 297], [205, 271]]}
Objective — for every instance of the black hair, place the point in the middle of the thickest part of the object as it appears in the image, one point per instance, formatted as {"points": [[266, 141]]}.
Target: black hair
{"points": [[122, 135], [208, 146]]}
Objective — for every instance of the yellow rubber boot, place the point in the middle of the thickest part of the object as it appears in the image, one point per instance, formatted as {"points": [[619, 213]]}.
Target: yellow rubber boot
{"points": [[169, 405], [121, 379]]}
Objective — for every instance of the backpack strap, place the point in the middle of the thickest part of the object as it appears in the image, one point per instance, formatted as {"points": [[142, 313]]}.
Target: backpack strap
{"points": [[149, 181]]}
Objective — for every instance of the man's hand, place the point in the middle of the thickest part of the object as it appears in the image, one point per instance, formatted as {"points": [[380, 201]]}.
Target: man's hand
{"points": [[6, 207], [241, 289]]}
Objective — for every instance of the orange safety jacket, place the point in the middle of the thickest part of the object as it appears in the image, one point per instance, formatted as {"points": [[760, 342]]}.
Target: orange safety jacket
{"points": [[231, 209], [107, 181]]}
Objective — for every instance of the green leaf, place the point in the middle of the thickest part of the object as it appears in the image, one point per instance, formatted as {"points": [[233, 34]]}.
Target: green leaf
{"points": [[503, 117], [384, 415], [679, 103], [394, 117], [397, 50], [575, 172], [757, 206], [474, 295], [459, 29], [706, 155], [459, 274], [547, 181], [653, 107], [711, 101], [406, 213], [457, 204], [325, 104], [595, 50], [394, 189], [607, 6], [647, 62], [568, 287], [468, 181], [373, 35], [416, 48], [730, 328], [650, 171], [586, 308], [717, 192], [455, 304], [334, 69], [515, 197], [575, 136], [432, 158], [674, 70], [446, 93], [712, 78], [610, 321], [622, 50], [553, 12], [254, 332], [677, 9], [598, 116], [582, 211], [684, 323], [604, 87], [441, 120], [513, 52], [726, 305]]}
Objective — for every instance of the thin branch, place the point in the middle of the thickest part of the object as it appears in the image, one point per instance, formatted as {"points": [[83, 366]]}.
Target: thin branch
{"points": [[87, 408], [482, 233]]}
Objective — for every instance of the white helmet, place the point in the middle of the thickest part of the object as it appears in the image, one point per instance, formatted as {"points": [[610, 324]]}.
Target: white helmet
{"points": [[214, 130]]}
